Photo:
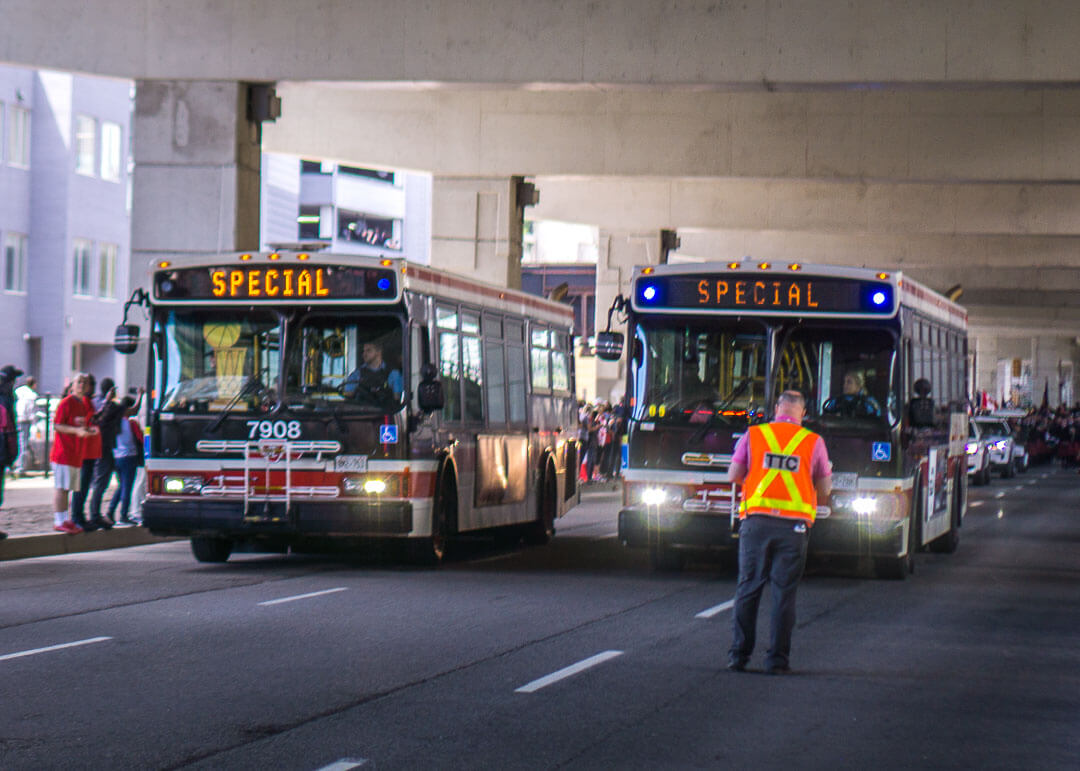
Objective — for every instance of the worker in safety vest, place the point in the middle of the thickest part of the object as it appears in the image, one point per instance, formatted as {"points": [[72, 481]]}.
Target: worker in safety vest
{"points": [[784, 470]]}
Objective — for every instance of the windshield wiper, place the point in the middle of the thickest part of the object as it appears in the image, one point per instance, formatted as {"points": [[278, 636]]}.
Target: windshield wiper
{"points": [[248, 387]]}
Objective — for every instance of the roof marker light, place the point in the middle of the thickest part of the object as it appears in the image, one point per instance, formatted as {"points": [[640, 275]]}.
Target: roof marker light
{"points": [[883, 276], [303, 256], [275, 256], [646, 271], [164, 264], [765, 266], [386, 263], [794, 266], [733, 266], [245, 257]]}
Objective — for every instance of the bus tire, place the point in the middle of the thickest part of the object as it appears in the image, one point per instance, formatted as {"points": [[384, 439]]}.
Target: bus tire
{"points": [[431, 550], [542, 530], [208, 549]]}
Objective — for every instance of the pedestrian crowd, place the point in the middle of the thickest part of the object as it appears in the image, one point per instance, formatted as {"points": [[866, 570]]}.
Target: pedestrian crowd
{"points": [[95, 435], [601, 427], [1050, 435]]}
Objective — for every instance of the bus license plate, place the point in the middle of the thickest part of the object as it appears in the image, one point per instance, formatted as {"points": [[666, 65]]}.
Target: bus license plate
{"points": [[845, 481], [350, 463]]}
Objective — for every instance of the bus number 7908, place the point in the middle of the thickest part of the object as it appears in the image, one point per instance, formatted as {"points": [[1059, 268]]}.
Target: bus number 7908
{"points": [[273, 429]]}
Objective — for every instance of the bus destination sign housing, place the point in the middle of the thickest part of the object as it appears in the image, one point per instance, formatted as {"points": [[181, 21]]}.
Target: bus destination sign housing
{"points": [[765, 293], [276, 284]]}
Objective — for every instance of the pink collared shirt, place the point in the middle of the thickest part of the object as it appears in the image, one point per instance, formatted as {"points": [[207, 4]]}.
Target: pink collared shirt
{"points": [[819, 462]]}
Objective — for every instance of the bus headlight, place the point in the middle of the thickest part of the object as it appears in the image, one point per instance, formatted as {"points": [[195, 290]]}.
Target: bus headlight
{"points": [[655, 496], [864, 505], [374, 486], [182, 485]]}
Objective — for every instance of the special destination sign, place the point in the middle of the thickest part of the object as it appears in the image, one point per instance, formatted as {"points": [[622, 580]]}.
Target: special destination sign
{"points": [[764, 293], [276, 283]]}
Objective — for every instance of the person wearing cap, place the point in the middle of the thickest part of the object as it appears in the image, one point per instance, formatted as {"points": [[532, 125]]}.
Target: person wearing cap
{"points": [[785, 470]]}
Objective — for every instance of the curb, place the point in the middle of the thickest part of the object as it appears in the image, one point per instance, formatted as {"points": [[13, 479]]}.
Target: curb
{"points": [[53, 544]]}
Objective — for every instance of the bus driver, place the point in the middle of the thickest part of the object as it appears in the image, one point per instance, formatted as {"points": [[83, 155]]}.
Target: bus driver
{"points": [[854, 402], [372, 379]]}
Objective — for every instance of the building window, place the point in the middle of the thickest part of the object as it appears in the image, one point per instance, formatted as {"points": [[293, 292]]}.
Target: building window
{"points": [[81, 272], [316, 167], [381, 176], [308, 222], [19, 137], [110, 151], [14, 262], [107, 270], [360, 228], [85, 144]]}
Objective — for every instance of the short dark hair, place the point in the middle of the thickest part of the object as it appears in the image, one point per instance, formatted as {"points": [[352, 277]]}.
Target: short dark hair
{"points": [[792, 395]]}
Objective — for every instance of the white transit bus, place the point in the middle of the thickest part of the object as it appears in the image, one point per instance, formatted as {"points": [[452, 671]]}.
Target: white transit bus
{"points": [[882, 362], [300, 400]]}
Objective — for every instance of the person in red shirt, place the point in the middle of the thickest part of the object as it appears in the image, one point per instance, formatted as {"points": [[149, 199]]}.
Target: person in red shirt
{"points": [[91, 453], [71, 427]]}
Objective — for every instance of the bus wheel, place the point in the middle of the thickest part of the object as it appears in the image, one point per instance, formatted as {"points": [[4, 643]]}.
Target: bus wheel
{"points": [[542, 530], [431, 550], [208, 549]]}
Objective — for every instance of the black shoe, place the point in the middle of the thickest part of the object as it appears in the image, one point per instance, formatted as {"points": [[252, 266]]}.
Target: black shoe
{"points": [[783, 669], [736, 665], [3, 535], [89, 526], [97, 524]]}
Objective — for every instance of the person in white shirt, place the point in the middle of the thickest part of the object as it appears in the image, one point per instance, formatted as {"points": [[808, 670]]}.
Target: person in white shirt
{"points": [[25, 411]]}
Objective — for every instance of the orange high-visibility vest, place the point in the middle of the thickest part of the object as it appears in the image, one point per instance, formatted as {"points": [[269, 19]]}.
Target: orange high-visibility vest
{"points": [[778, 481]]}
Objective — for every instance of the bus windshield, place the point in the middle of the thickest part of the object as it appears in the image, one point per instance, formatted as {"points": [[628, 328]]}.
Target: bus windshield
{"points": [[215, 361], [699, 373], [848, 374], [345, 363]]}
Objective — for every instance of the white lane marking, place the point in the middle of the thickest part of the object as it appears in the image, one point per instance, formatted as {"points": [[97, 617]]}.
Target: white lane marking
{"points": [[1032, 482], [303, 596], [1019, 487], [607, 537], [566, 672], [344, 764], [20, 654], [999, 495], [716, 609], [973, 504]]}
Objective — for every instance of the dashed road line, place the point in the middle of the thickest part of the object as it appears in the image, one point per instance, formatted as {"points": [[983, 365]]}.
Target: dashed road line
{"points": [[344, 764], [973, 504], [569, 671], [1000, 495], [61, 646], [715, 609], [304, 596]]}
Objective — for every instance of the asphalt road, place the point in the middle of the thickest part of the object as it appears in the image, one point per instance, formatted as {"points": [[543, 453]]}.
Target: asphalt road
{"points": [[567, 656]]}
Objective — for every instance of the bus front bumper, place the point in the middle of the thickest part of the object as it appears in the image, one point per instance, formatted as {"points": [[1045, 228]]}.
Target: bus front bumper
{"points": [[837, 535], [227, 519]]}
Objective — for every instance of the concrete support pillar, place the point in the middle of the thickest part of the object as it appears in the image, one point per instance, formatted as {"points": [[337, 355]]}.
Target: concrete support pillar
{"points": [[476, 227], [197, 165], [196, 182], [619, 253]]}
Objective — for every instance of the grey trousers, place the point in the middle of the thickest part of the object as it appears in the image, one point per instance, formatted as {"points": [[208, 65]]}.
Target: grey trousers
{"points": [[772, 550]]}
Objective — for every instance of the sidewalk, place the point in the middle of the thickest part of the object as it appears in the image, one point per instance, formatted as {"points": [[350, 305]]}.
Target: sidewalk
{"points": [[27, 517]]}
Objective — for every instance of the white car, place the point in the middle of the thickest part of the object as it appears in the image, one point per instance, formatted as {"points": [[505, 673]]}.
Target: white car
{"points": [[1006, 454], [978, 455]]}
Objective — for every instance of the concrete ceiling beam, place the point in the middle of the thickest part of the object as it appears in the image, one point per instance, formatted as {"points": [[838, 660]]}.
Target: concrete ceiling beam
{"points": [[623, 42]]}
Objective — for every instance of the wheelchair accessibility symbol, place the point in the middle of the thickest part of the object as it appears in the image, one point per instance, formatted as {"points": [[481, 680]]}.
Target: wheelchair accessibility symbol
{"points": [[881, 451], [387, 434]]}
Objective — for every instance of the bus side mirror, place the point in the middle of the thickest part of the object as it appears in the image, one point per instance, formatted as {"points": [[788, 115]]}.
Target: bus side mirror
{"points": [[429, 394], [609, 345], [126, 339]]}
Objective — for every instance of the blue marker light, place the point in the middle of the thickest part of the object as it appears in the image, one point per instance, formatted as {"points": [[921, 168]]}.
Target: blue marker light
{"points": [[878, 298], [649, 293], [383, 284]]}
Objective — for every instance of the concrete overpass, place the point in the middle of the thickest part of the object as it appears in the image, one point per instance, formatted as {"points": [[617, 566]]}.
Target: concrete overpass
{"points": [[942, 138]]}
